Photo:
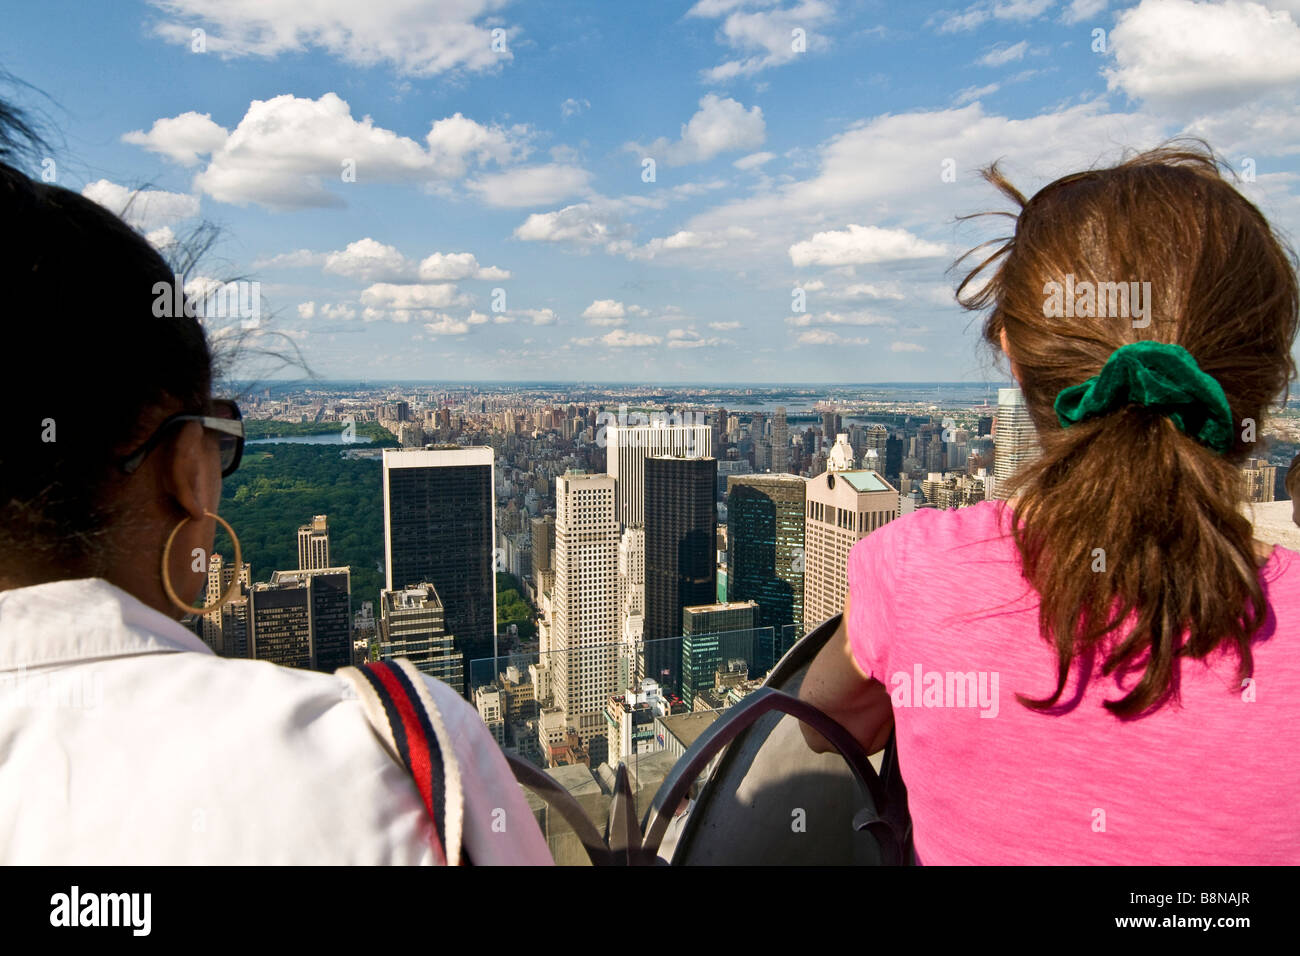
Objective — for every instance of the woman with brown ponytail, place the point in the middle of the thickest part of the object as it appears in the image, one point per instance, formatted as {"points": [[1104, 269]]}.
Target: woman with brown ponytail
{"points": [[1134, 648]]}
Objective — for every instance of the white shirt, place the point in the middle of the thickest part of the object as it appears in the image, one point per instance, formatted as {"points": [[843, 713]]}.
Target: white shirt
{"points": [[125, 740]]}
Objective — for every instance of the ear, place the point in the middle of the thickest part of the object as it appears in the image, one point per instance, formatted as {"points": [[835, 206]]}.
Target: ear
{"points": [[1015, 372], [193, 476]]}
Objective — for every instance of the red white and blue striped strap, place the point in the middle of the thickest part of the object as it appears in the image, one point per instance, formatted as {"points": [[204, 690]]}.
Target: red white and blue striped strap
{"points": [[404, 715]]}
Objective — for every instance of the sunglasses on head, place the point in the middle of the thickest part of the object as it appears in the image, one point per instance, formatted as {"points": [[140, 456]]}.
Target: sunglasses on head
{"points": [[223, 418]]}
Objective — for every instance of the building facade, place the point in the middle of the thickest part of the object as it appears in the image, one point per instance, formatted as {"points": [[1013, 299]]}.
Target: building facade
{"points": [[412, 624], [680, 556], [628, 446], [765, 557], [842, 507], [1015, 440], [439, 528], [711, 635], [314, 544], [584, 631]]}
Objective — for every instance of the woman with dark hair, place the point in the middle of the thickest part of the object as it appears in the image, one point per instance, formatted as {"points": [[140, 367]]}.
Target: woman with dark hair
{"points": [[123, 739], [1147, 638]]}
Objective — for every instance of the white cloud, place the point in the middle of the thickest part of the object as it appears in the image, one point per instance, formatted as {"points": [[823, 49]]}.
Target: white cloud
{"points": [[867, 290], [455, 141], [605, 312], [540, 316], [719, 126], [623, 339], [807, 319], [285, 150], [766, 36], [685, 239], [338, 310], [181, 138], [144, 209], [452, 266], [298, 259], [413, 37], [573, 106], [161, 237], [585, 224], [1080, 10], [754, 160], [827, 337], [690, 339], [973, 93], [887, 170], [979, 13], [369, 261], [306, 310], [724, 326], [1021, 9], [1002, 55], [387, 295], [861, 245], [444, 324], [906, 347], [532, 185], [1201, 56]]}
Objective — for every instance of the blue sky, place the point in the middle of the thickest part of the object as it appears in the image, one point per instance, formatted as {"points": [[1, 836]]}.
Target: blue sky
{"points": [[502, 146]]}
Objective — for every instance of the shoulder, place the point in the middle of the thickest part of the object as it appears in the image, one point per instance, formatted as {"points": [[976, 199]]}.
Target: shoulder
{"points": [[931, 532]]}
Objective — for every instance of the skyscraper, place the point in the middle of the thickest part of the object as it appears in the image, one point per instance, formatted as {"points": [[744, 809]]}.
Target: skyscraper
{"points": [[439, 528], [1260, 478], [765, 557], [680, 555], [780, 442], [411, 626], [842, 507], [711, 634], [220, 574], [280, 624], [631, 606], [628, 446], [830, 428], [303, 619], [314, 544], [1014, 438], [543, 543], [585, 627]]}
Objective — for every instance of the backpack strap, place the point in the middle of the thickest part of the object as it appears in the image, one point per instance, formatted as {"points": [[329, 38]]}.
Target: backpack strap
{"points": [[403, 714]]}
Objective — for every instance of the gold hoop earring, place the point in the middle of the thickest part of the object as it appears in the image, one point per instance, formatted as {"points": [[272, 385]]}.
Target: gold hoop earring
{"points": [[166, 559]]}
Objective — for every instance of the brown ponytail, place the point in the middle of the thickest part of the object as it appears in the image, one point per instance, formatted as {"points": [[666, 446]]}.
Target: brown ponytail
{"points": [[1162, 508]]}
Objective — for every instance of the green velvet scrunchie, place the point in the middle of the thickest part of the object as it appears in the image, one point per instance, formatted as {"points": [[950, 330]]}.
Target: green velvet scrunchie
{"points": [[1157, 375]]}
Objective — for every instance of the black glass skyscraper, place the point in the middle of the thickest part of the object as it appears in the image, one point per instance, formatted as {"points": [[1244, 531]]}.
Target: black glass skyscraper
{"points": [[765, 558], [680, 555], [438, 528]]}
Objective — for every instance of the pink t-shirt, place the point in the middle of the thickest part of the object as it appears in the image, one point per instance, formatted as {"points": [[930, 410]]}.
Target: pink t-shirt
{"points": [[943, 618]]}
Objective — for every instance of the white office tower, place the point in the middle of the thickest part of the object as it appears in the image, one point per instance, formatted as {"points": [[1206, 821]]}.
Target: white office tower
{"points": [[780, 442], [584, 623], [314, 544], [631, 604], [628, 446], [840, 457], [1015, 442], [840, 508]]}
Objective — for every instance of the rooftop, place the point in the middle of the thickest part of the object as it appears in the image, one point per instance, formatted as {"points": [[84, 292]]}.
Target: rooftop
{"points": [[863, 481], [1273, 524], [687, 727]]}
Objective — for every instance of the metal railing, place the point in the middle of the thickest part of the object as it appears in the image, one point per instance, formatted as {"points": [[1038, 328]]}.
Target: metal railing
{"points": [[737, 740]]}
